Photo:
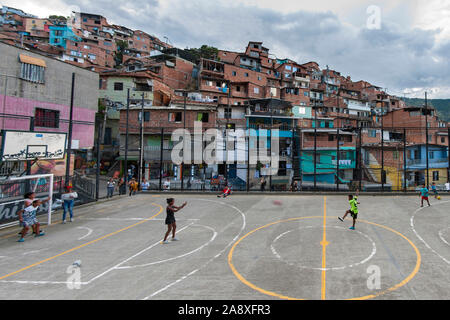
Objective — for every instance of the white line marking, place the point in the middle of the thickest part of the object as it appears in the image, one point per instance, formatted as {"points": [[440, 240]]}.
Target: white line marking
{"points": [[130, 258], [420, 238], [441, 235], [210, 260], [86, 235], [374, 250], [40, 282], [171, 284], [177, 257], [34, 251], [132, 219]]}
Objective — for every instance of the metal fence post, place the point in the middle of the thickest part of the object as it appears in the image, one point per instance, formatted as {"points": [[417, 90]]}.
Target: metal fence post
{"points": [[248, 160], [404, 160], [161, 158]]}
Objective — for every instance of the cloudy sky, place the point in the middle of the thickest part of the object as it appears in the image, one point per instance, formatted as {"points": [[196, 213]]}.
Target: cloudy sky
{"points": [[400, 45]]}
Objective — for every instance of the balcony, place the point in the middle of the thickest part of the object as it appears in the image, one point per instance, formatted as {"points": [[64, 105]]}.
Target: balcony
{"points": [[279, 126], [344, 164], [422, 162]]}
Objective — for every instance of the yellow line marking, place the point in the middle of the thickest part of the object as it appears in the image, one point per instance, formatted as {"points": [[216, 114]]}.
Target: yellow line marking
{"points": [[274, 294], [408, 278], [324, 244], [245, 281], [84, 245]]}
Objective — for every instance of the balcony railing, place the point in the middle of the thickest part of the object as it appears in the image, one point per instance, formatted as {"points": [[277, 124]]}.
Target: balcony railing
{"points": [[413, 162]]}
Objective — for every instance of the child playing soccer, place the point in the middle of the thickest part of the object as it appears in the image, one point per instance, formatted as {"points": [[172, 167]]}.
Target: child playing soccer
{"points": [[27, 217], [353, 209], [170, 219], [225, 193], [424, 195], [434, 189]]}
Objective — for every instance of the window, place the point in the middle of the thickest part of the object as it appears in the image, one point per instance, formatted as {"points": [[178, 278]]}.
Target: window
{"points": [[431, 154], [118, 86], [92, 56], [234, 73], [246, 74], [282, 168], [372, 133], [86, 46], [256, 90], [288, 68], [395, 155], [227, 113], [143, 87], [203, 117], [305, 94], [146, 116], [46, 118], [435, 175], [175, 116], [33, 73], [442, 140], [238, 88], [259, 78]]}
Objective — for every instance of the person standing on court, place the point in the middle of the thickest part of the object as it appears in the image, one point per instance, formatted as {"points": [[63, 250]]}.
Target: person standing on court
{"points": [[424, 195], [170, 219], [110, 185], [122, 186], [133, 186], [68, 198], [263, 184]]}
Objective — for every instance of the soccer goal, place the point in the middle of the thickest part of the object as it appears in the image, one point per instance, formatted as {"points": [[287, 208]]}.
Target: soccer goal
{"points": [[15, 188], [21, 146]]}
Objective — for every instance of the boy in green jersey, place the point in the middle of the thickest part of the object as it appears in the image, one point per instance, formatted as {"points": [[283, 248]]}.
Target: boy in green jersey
{"points": [[353, 209]]}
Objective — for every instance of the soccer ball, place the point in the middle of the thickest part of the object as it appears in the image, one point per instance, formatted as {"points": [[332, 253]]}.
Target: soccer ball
{"points": [[439, 197]]}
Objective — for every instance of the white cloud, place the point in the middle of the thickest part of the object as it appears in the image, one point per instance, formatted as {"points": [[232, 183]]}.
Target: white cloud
{"points": [[410, 50]]}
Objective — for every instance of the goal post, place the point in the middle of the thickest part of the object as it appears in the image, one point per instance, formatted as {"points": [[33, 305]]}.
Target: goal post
{"points": [[14, 188]]}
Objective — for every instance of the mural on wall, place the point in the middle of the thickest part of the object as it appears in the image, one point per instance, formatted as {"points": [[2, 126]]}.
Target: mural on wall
{"points": [[57, 167]]}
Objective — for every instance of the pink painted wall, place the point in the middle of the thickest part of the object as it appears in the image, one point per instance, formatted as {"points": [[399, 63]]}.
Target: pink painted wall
{"points": [[25, 107]]}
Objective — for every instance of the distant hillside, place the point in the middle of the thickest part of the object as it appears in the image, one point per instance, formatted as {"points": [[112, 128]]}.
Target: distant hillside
{"points": [[442, 106]]}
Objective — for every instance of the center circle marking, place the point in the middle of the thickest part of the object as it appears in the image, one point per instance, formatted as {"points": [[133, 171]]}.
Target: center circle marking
{"points": [[274, 251], [274, 294]]}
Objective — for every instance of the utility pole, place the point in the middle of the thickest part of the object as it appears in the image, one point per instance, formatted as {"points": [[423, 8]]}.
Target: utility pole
{"points": [[315, 144], [97, 171], [338, 158], [69, 138], [141, 141], [184, 133], [426, 139], [404, 160], [382, 153], [126, 138]]}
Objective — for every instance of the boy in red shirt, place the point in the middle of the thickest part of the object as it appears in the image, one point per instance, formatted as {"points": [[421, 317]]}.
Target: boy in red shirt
{"points": [[225, 193]]}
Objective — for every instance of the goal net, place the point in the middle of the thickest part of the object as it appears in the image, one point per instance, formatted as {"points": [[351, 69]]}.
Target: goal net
{"points": [[12, 191]]}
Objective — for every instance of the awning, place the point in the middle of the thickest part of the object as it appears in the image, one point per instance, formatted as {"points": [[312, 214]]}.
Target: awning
{"points": [[30, 60]]}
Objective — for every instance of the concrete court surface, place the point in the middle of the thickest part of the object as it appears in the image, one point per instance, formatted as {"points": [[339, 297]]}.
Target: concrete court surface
{"points": [[242, 247]]}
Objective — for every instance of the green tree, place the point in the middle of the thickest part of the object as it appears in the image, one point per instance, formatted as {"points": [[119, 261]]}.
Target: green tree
{"points": [[205, 51], [121, 46]]}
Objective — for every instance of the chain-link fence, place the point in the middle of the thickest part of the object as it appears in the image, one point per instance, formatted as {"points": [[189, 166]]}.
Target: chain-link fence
{"points": [[306, 159]]}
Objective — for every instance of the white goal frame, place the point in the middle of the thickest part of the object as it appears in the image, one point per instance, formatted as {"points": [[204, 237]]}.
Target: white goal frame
{"points": [[50, 191]]}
